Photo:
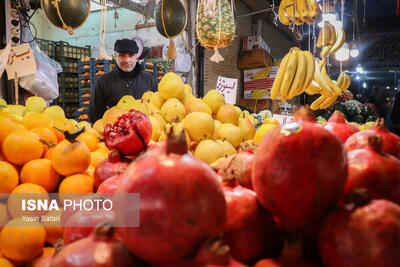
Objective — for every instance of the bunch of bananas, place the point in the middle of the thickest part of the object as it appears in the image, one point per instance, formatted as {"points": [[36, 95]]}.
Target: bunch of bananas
{"points": [[328, 89], [262, 74], [299, 12], [330, 39], [295, 74]]}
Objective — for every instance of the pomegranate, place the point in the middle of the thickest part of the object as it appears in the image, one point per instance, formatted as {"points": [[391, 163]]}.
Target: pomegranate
{"points": [[338, 126], [110, 185], [130, 134], [299, 172], [231, 263], [374, 170], [250, 231], [291, 256], [238, 166], [82, 223], [111, 166], [362, 233], [181, 204], [391, 142], [100, 249]]}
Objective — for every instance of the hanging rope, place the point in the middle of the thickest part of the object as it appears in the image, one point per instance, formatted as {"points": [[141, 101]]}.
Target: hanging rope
{"points": [[103, 27], [65, 26]]}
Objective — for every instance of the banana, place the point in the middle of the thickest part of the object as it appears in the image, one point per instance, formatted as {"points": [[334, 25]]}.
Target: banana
{"points": [[326, 90], [290, 10], [328, 80], [313, 9], [314, 88], [325, 52], [315, 105], [329, 101], [262, 74], [340, 80], [340, 39], [301, 73], [346, 82], [332, 39], [302, 9], [324, 35], [310, 72], [279, 76], [282, 14], [289, 74]]}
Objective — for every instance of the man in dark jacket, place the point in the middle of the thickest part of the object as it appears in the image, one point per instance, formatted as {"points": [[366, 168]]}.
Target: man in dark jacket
{"points": [[125, 79]]}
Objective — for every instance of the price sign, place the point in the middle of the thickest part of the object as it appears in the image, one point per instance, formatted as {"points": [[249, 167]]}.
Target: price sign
{"points": [[228, 88]]}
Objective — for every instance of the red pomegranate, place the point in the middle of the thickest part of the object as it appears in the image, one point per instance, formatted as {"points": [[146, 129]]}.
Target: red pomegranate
{"points": [[291, 256], [109, 167], [299, 172], [250, 231], [100, 249], [82, 223], [130, 134], [181, 204], [338, 126], [110, 185], [231, 263], [238, 166], [372, 169], [391, 142], [362, 233]]}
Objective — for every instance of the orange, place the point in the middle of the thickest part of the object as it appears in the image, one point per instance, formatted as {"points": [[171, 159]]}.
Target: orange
{"points": [[48, 153], [40, 172], [8, 177], [90, 171], [54, 232], [69, 158], [22, 241], [77, 184], [33, 119], [5, 263], [89, 139], [22, 146], [62, 124], [46, 252], [271, 120], [22, 192], [99, 126], [47, 135], [4, 216], [7, 126], [97, 156]]}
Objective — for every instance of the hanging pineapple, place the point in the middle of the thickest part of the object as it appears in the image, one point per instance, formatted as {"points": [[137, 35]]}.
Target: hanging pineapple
{"points": [[215, 25]]}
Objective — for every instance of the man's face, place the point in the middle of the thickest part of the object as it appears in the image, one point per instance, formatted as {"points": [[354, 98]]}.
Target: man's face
{"points": [[126, 61]]}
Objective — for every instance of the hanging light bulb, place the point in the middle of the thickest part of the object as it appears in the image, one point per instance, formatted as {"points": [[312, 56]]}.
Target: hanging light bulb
{"points": [[354, 52], [343, 53], [329, 17]]}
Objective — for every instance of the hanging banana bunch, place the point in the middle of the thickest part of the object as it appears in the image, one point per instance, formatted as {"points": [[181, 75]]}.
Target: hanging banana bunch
{"points": [[299, 12], [330, 39], [295, 74], [328, 89]]}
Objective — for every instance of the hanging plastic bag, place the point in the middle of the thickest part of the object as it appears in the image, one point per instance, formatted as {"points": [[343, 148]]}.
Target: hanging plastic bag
{"points": [[4, 58], [215, 25], [183, 61], [44, 82]]}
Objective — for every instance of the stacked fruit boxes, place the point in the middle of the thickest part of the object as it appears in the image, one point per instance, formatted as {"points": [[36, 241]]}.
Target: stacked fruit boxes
{"points": [[69, 82], [89, 70], [47, 46]]}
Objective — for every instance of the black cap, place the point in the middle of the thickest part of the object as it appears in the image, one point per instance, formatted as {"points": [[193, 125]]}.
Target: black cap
{"points": [[126, 46]]}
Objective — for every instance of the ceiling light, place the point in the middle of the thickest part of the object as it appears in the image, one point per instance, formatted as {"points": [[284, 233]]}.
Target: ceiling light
{"points": [[359, 69], [357, 77], [343, 53], [387, 87], [354, 52], [364, 85]]}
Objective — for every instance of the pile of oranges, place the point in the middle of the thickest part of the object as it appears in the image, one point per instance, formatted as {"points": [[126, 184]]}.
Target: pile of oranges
{"points": [[35, 157]]}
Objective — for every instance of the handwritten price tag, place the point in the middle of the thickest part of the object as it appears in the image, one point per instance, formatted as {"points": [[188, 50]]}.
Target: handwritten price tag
{"points": [[21, 62], [228, 88]]}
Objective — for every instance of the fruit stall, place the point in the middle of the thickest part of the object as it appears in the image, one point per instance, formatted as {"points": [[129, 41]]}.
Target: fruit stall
{"points": [[299, 167]]}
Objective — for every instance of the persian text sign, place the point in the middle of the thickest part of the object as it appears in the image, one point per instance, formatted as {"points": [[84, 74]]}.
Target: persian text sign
{"points": [[228, 88], [21, 61]]}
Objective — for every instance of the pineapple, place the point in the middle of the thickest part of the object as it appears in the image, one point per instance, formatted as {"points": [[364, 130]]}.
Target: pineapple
{"points": [[215, 25]]}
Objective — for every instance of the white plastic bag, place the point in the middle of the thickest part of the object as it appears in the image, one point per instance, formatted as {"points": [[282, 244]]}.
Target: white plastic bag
{"points": [[44, 82], [183, 61]]}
